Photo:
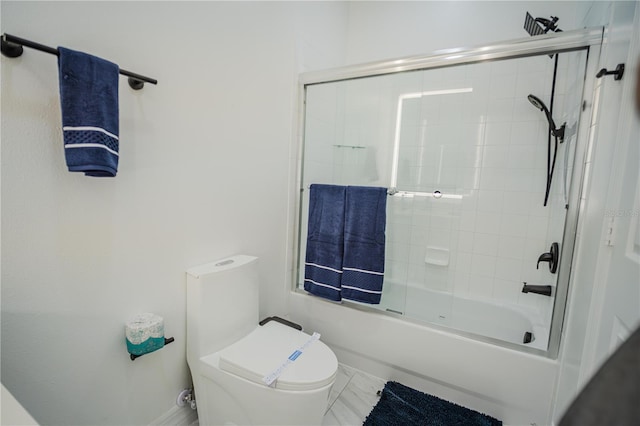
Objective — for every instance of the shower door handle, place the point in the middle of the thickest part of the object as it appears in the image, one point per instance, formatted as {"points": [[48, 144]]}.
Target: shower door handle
{"points": [[551, 257]]}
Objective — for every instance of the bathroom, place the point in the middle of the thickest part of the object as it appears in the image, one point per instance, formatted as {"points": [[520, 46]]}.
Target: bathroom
{"points": [[207, 169]]}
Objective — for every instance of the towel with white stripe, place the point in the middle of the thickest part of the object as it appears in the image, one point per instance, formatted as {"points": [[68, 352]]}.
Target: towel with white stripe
{"points": [[89, 106], [364, 243], [346, 242]]}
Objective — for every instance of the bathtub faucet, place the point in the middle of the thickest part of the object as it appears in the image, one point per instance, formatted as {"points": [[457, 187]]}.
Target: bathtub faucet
{"points": [[538, 289]]}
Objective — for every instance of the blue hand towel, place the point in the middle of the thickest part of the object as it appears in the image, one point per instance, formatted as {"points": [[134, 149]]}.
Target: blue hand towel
{"points": [[325, 241], [364, 241], [89, 104]]}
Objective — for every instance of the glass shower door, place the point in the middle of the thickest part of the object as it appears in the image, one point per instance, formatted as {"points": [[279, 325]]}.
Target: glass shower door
{"points": [[466, 158]]}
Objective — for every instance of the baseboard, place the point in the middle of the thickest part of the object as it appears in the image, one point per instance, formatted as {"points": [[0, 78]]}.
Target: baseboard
{"points": [[177, 416]]}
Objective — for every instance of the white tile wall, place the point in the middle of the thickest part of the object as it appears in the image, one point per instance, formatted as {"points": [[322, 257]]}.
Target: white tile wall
{"points": [[488, 146]]}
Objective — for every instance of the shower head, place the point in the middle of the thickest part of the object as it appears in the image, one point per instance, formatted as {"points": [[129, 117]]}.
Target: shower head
{"points": [[539, 26], [537, 102]]}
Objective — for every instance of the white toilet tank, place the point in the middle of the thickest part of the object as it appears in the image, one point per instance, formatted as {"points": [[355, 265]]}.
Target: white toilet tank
{"points": [[222, 304]]}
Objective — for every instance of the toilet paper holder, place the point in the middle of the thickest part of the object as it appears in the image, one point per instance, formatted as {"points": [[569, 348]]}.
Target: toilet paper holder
{"points": [[144, 333], [166, 342]]}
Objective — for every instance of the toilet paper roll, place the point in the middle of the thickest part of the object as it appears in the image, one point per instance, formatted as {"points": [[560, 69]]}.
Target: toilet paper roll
{"points": [[144, 333]]}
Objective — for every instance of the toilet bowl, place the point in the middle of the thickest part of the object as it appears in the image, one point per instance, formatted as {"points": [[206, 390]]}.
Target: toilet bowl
{"points": [[230, 355]]}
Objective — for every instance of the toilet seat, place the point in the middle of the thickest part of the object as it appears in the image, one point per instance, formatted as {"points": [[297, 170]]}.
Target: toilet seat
{"points": [[267, 347]]}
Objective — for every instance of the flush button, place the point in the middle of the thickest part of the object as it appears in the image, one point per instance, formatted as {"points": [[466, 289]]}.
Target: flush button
{"points": [[224, 262]]}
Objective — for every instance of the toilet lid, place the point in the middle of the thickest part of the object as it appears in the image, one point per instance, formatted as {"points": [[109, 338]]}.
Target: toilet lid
{"points": [[267, 347]]}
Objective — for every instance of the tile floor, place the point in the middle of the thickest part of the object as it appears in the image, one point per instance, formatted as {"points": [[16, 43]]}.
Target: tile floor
{"points": [[352, 398]]}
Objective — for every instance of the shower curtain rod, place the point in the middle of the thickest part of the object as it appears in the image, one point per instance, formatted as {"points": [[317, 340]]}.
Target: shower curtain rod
{"points": [[12, 48]]}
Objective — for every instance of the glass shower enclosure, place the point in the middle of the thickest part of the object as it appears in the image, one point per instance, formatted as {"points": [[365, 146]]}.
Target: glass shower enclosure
{"points": [[481, 151]]}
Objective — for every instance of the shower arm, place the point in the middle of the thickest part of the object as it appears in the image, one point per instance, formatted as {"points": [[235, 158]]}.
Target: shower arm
{"points": [[549, 24]]}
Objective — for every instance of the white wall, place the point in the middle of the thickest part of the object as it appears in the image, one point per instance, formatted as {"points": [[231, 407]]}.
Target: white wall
{"points": [[204, 170], [580, 353], [389, 29]]}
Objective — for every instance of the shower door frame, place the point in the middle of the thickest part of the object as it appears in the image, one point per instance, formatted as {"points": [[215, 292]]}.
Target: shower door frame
{"points": [[589, 39]]}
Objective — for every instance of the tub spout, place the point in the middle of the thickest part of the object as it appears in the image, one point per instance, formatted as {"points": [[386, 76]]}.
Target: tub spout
{"points": [[538, 289]]}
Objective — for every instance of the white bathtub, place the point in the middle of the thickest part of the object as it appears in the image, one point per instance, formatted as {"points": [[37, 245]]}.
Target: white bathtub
{"points": [[475, 372], [481, 317]]}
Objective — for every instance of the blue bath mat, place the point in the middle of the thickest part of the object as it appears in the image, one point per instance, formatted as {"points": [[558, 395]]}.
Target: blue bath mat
{"points": [[401, 405]]}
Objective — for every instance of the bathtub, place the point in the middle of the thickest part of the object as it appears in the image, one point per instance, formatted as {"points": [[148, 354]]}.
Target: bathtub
{"points": [[478, 317], [460, 366]]}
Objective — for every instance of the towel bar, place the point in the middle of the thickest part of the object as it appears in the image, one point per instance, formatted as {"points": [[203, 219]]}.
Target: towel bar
{"points": [[617, 74], [12, 48]]}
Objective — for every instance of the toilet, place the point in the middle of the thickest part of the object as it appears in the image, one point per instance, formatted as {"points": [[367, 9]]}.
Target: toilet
{"points": [[230, 355]]}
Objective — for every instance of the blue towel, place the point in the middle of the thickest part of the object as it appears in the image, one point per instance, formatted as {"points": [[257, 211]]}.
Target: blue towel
{"points": [[364, 241], [89, 104], [345, 242], [325, 241]]}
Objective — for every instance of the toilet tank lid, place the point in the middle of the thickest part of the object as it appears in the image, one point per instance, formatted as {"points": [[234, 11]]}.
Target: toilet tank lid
{"points": [[267, 347], [221, 265]]}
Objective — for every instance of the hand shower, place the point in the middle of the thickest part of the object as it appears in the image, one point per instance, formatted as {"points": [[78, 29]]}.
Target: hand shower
{"points": [[558, 134], [536, 102]]}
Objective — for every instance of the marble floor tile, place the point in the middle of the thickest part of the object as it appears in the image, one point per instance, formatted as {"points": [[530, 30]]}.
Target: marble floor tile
{"points": [[352, 397], [355, 401], [343, 377]]}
